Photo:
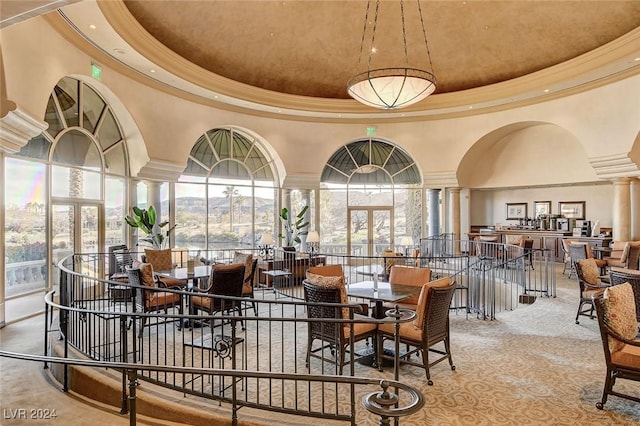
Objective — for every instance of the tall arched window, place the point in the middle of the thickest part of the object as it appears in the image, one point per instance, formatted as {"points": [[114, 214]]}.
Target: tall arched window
{"points": [[227, 194], [83, 156], [371, 191]]}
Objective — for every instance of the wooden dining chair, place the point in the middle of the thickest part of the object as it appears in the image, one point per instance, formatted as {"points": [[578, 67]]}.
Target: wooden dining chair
{"points": [[430, 328]]}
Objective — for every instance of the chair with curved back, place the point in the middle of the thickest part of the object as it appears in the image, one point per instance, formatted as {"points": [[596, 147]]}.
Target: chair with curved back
{"points": [[318, 292], [591, 286], [149, 297], [619, 254], [428, 329], [247, 285], [227, 280], [567, 255], [633, 258], [408, 275], [162, 260], [618, 330], [631, 276], [580, 250]]}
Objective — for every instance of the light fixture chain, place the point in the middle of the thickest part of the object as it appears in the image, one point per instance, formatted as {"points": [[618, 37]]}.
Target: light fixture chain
{"points": [[373, 34], [364, 32], [426, 43], [404, 33]]}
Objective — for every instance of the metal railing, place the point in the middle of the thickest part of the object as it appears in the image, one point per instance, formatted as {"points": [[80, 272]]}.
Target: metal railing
{"points": [[255, 361]]}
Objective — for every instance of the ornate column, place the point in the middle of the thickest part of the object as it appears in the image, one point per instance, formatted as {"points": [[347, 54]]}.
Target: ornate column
{"points": [[454, 214], [635, 209], [433, 195], [622, 209]]}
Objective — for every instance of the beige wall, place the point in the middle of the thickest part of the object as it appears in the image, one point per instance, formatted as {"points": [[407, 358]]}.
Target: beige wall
{"points": [[551, 143]]}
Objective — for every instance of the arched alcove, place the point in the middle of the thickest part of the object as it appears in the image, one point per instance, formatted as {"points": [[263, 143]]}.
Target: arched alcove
{"points": [[525, 154]]}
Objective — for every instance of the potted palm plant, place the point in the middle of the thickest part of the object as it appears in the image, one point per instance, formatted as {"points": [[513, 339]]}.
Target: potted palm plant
{"points": [[145, 220], [293, 230]]}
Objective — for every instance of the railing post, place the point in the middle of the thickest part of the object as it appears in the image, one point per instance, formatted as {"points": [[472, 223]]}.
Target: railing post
{"points": [[132, 395], [123, 355]]}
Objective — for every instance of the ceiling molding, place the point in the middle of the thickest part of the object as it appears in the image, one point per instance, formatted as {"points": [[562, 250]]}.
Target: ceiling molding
{"points": [[614, 166], [17, 127]]}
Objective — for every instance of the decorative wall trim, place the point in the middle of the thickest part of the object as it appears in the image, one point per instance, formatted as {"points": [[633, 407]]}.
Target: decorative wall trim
{"points": [[301, 181], [16, 128], [440, 180], [614, 166], [161, 170]]}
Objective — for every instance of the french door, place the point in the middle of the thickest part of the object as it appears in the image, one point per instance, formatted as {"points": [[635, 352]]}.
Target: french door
{"points": [[77, 227], [369, 230]]}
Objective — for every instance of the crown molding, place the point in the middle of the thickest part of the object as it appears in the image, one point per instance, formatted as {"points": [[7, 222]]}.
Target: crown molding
{"points": [[614, 166], [17, 127]]}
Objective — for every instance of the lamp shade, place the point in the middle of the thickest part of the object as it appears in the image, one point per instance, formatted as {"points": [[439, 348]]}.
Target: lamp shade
{"points": [[391, 88], [266, 239], [313, 237]]}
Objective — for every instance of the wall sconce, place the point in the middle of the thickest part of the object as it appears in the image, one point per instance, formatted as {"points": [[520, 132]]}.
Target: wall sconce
{"points": [[265, 248], [313, 242]]}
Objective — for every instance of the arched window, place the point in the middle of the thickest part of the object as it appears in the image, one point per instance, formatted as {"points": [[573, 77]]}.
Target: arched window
{"points": [[371, 191], [83, 156], [226, 195]]}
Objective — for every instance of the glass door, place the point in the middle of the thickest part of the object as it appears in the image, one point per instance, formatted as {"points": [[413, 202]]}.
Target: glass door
{"points": [[75, 229], [369, 230]]}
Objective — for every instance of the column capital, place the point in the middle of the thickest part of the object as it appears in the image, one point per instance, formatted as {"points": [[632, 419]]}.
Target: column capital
{"points": [[17, 127]]}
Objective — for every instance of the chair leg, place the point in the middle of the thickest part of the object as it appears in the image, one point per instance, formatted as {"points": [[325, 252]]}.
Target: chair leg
{"points": [[608, 386], [447, 348], [425, 361]]}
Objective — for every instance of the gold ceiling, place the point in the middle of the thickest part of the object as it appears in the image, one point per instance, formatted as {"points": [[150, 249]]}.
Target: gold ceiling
{"points": [[311, 48]]}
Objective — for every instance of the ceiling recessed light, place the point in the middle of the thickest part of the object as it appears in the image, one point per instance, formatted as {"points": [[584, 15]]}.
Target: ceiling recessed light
{"points": [[152, 71], [470, 106], [119, 51], [637, 59], [546, 90], [93, 27]]}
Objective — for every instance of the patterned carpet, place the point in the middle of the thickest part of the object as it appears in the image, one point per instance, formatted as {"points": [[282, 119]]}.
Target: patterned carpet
{"points": [[533, 365]]}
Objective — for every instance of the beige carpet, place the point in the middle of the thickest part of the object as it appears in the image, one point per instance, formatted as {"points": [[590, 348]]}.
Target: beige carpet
{"points": [[533, 365]]}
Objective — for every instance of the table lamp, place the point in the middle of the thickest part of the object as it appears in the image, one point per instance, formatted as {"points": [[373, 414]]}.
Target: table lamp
{"points": [[265, 248], [313, 241]]}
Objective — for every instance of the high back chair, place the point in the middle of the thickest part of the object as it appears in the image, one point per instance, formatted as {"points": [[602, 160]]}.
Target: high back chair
{"points": [[618, 329], [631, 276], [590, 284], [428, 329], [247, 285], [319, 291], [149, 296], [162, 260], [567, 255], [227, 280], [408, 275]]}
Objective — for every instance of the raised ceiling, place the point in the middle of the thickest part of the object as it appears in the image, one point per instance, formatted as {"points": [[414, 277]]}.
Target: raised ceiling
{"points": [[294, 58], [311, 48]]}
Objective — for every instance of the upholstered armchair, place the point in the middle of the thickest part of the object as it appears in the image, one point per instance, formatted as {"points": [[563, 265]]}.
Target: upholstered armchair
{"points": [[591, 286], [318, 291], [162, 260], [619, 254], [619, 329], [428, 329], [407, 275], [149, 296]]}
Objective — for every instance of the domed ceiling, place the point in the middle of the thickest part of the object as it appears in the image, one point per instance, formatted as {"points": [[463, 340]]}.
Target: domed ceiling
{"points": [[311, 48]]}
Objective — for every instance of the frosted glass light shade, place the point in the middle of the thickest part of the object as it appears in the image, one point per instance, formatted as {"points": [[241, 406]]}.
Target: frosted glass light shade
{"points": [[391, 88]]}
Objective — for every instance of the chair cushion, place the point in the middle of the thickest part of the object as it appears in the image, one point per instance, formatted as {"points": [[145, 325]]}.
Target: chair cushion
{"points": [[331, 282], [620, 313], [161, 299], [627, 355], [246, 259], [423, 299], [146, 275], [160, 259], [407, 330], [359, 329], [590, 270]]}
